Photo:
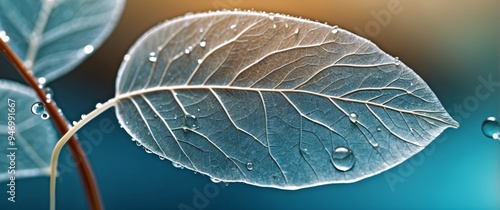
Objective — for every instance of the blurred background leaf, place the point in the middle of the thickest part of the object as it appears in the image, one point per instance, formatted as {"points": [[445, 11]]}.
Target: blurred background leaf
{"points": [[53, 36], [35, 138]]}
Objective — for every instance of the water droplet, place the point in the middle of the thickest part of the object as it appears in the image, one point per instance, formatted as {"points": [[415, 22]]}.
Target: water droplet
{"points": [[199, 61], [343, 158], [38, 108], [233, 26], [126, 57], [188, 50], [201, 30], [491, 128], [396, 61], [353, 117], [379, 129], [199, 109], [161, 157], [98, 105], [41, 82], [286, 25], [126, 122], [137, 143], [45, 116], [4, 36], [156, 115], [335, 29], [203, 43], [83, 116], [214, 180], [88, 49], [249, 166], [190, 121], [177, 165], [152, 57], [296, 31], [271, 16], [274, 26], [49, 94], [148, 150]]}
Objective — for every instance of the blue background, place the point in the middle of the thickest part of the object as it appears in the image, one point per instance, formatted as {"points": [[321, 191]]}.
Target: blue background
{"points": [[450, 44]]}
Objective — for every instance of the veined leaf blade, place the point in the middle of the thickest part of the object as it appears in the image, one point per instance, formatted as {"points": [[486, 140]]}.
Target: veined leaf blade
{"points": [[217, 92]]}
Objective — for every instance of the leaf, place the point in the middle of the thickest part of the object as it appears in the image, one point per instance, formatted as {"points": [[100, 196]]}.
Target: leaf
{"points": [[53, 36], [273, 100], [34, 138]]}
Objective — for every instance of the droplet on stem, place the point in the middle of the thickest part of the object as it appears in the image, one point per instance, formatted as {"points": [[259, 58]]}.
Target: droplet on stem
{"points": [[45, 116]]}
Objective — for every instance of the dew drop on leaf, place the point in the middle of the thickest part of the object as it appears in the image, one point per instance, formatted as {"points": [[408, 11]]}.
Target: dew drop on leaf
{"points": [[138, 143], [203, 43], [233, 26], [190, 121], [353, 117], [296, 31], [343, 159], [214, 180], [249, 166], [177, 165], [147, 150], [396, 61], [491, 128], [161, 157], [335, 29], [126, 57], [38, 108], [152, 57], [88, 49], [379, 129]]}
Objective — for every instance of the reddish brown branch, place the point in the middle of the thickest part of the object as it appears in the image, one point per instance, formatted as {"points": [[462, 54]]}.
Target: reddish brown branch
{"points": [[86, 174]]}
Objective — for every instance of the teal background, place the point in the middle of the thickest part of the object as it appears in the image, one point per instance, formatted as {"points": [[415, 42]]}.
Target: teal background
{"points": [[450, 44]]}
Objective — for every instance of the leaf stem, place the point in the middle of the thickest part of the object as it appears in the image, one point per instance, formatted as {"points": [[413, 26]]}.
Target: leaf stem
{"points": [[62, 142], [84, 169]]}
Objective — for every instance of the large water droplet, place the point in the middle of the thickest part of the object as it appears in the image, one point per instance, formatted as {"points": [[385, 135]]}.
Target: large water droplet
{"points": [[249, 166], [38, 108], [190, 121], [203, 43], [491, 128], [152, 57], [45, 116], [214, 180], [353, 117], [343, 158], [88, 49]]}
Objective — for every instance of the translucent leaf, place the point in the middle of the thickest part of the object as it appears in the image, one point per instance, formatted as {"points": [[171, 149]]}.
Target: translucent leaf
{"points": [[34, 138], [53, 36], [273, 100]]}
